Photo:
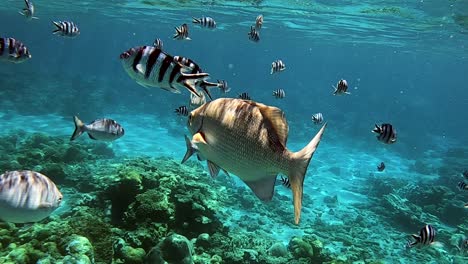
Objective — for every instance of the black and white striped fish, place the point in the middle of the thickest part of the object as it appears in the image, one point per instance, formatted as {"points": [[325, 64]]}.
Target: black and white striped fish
{"points": [[158, 43], [279, 94], [207, 22], [244, 96], [182, 110], [182, 33], [103, 129], [426, 237], [151, 67], [66, 29], [317, 118], [259, 22], [381, 167], [27, 196], [28, 10], [254, 35], [462, 186], [387, 133], [341, 87], [223, 86], [12, 50], [277, 66], [285, 182]]}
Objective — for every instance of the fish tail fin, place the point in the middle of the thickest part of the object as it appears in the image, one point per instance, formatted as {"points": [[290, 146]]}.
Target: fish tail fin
{"points": [[196, 20], [190, 149], [190, 80], [300, 162], [58, 25], [205, 85], [79, 128]]}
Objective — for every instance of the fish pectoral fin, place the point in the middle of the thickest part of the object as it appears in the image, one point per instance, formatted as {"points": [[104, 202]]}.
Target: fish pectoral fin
{"points": [[264, 187], [213, 168], [198, 138], [191, 148], [140, 68]]}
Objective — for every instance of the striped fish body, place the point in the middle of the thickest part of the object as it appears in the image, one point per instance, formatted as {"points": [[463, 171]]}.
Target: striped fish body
{"points": [[254, 35], [426, 236], [462, 186], [12, 50], [317, 118], [66, 29], [182, 32], [386, 133], [277, 66], [341, 87], [206, 22], [100, 129], [182, 110], [279, 94], [248, 139], [27, 196], [244, 96], [151, 67]]}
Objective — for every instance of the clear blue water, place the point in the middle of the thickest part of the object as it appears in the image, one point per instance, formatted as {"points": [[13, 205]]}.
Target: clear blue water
{"points": [[405, 64]]}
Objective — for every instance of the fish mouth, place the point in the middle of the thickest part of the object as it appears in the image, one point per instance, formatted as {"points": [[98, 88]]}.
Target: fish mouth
{"points": [[127, 54]]}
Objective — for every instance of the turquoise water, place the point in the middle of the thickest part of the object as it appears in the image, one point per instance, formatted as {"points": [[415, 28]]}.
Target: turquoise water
{"points": [[405, 64]]}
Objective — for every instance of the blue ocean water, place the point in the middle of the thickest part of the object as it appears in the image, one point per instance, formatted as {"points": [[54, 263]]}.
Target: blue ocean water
{"points": [[405, 64]]}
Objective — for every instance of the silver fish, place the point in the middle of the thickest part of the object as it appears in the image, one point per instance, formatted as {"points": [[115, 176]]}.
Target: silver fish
{"points": [[277, 66], [151, 66], [207, 22], [12, 50], [259, 22], [100, 129], [341, 87], [28, 10], [182, 33], [66, 29], [27, 196], [248, 139]]}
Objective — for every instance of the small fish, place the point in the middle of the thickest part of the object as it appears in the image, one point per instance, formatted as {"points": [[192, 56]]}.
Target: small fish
{"points": [[27, 196], [341, 88], [152, 67], [387, 133], [426, 237], [100, 129], [248, 139], [381, 167], [465, 174], [285, 182], [254, 35], [244, 96], [12, 50], [259, 22], [277, 66], [196, 101], [462, 186], [207, 22], [223, 86], [279, 94], [158, 43], [182, 33], [28, 11], [182, 111], [317, 118], [66, 29]]}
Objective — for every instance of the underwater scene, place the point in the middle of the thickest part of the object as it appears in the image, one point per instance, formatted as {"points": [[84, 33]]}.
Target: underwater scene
{"points": [[222, 131]]}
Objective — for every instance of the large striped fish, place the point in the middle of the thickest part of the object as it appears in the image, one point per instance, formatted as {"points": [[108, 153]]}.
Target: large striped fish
{"points": [[66, 29], [13, 50], [152, 67], [27, 196], [248, 139]]}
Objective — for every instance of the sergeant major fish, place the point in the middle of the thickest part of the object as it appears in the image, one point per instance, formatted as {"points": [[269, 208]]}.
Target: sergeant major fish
{"points": [[248, 139], [317, 118], [244, 96], [150, 66], [277, 66], [426, 237], [386, 133], [279, 93], [182, 110], [12, 50], [100, 129], [66, 29], [462, 186], [182, 33], [28, 10], [207, 22], [27, 196], [254, 35]]}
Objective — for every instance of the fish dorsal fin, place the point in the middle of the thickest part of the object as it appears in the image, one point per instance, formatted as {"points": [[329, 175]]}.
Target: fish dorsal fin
{"points": [[264, 187], [275, 118]]}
